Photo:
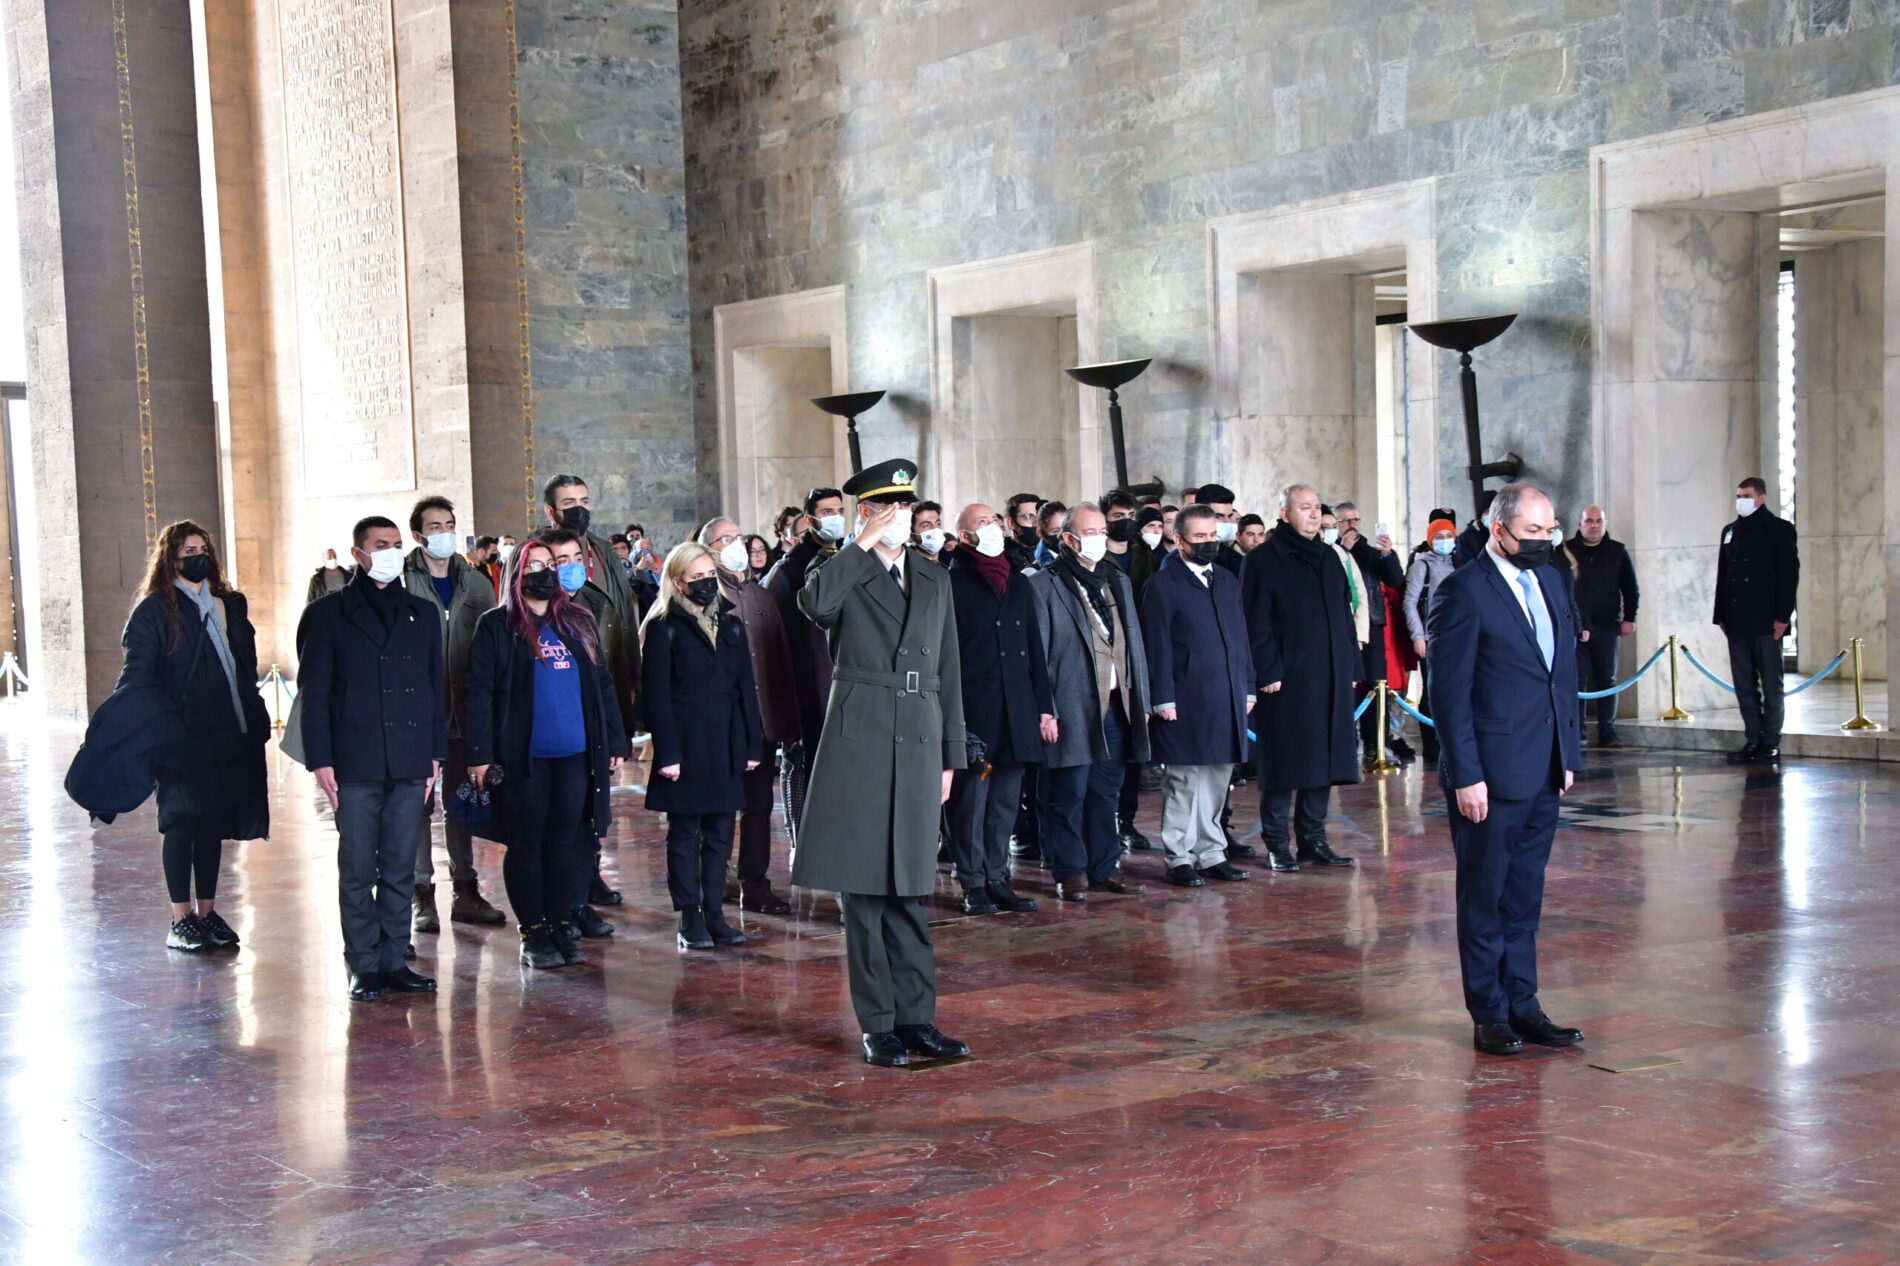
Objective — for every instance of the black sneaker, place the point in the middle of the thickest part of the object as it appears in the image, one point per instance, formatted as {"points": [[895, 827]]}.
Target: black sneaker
{"points": [[189, 935], [561, 935], [217, 930], [537, 948]]}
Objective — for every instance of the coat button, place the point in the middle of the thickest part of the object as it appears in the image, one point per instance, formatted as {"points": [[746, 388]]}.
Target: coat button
{"points": [[900, 738], [903, 650], [923, 738], [926, 650]]}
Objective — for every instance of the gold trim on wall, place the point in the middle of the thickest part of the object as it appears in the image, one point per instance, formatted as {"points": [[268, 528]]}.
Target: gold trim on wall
{"points": [[531, 493], [135, 252]]}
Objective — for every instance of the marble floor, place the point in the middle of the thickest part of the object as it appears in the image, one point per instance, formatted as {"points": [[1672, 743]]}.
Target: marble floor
{"points": [[1272, 1072]]}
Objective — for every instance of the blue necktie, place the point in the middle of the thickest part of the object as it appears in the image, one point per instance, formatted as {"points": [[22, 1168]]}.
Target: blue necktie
{"points": [[1540, 618]]}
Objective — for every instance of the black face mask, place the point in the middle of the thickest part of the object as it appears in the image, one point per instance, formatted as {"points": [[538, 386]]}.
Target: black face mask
{"points": [[703, 590], [1204, 552], [1026, 536], [1529, 553], [1121, 531], [577, 518], [543, 584], [196, 568]]}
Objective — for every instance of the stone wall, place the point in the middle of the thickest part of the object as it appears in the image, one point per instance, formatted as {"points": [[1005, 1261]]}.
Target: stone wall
{"points": [[862, 143]]}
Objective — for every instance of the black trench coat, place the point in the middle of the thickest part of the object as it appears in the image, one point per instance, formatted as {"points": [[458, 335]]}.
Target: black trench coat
{"points": [[1299, 618], [703, 709], [875, 801], [1005, 683], [498, 716]]}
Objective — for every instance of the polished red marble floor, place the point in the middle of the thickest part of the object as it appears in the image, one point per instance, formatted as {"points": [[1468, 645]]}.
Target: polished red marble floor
{"points": [[1271, 1072]]}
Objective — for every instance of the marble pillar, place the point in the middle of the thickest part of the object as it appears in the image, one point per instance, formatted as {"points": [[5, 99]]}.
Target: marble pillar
{"points": [[124, 435]]}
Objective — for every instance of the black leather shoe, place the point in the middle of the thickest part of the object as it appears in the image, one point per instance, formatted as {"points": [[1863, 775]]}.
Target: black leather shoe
{"points": [[928, 1040], [1496, 1038], [403, 980], [1608, 738], [1007, 898], [886, 1050], [1537, 1027], [1224, 870], [760, 899], [1767, 754], [1321, 854], [1238, 852], [1744, 756], [1117, 884], [588, 923], [599, 894], [1133, 840], [977, 901], [722, 932], [693, 934], [366, 986], [1280, 858], [1076, 889], [1185, 877]]}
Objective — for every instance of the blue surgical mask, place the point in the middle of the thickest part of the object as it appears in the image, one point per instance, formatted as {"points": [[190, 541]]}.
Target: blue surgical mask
{"points": [[573, 575], [1444, 547]]}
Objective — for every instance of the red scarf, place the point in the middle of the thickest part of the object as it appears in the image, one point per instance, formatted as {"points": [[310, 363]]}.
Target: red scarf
{"points": [[995, 569]]}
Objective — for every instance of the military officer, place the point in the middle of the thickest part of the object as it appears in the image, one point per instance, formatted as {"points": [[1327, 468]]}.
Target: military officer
{"points": [[893, 733]]}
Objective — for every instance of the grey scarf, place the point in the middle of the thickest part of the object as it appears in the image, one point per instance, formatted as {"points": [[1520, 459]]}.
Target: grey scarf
{"points": [[207, 604]]}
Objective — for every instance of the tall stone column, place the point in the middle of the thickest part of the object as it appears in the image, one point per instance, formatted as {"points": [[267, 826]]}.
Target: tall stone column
{"points": [[124, 435]]}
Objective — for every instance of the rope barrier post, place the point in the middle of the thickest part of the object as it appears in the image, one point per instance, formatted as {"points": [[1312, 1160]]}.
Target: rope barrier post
{"points": [[1380, 765], [1675, 712], [1860, 723], [10, 673], [276, 680]]}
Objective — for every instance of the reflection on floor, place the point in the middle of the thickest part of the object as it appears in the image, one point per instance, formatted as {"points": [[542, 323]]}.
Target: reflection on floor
{"points": [[1276, 1071]]}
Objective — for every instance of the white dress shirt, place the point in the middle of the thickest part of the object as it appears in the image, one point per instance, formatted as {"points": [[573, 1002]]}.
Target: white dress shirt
{"points": [[1511, 571]]}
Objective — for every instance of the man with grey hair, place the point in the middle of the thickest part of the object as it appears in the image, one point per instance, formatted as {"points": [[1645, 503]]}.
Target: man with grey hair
{"points": [[1504, 695], [1305, 660], [1098, 677]]}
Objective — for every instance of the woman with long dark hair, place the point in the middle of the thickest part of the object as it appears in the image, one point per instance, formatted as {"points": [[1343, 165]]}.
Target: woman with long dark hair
{"points": [[758, 557], [187, 716], [541, 726]]}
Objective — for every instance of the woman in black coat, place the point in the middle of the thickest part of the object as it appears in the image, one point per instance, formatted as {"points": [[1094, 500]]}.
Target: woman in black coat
{"points": [[542, 728], [191, 660], [702, 708]]}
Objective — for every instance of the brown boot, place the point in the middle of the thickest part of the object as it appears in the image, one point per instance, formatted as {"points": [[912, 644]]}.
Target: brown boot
{"points": [[471, 907], [424, 901]]}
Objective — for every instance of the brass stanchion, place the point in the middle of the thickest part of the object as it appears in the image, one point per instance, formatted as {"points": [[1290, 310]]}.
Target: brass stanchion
{"points": [[1380, 765], [1860, 724], [1675, 712], [276, 680]]}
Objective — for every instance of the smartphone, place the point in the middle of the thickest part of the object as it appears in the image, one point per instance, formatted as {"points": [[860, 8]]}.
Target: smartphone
{"points": [[1381, 529]]}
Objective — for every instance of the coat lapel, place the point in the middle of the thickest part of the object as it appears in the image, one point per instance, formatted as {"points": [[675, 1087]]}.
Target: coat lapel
{"points": [[357, 608], [884, 590]]}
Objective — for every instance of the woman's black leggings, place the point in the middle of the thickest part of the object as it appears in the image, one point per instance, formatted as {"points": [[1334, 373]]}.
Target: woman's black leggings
{"points": [[186, 852], [539, 865]]}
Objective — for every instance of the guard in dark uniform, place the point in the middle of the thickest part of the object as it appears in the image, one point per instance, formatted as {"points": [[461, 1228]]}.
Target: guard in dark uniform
{"points": [[1756, 574], [893, 732]]}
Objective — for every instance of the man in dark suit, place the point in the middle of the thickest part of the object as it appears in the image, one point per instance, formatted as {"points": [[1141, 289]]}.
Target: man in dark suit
{"points": [[1504, 695], [893, 735], [811, 658], [375, 733], [1006, 706], [1220, 499], [1756, 575], [1200, 669]]}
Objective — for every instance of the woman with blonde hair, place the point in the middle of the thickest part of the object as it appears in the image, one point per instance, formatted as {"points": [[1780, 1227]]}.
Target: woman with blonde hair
{"points": [[186, 716], [702, 708]]}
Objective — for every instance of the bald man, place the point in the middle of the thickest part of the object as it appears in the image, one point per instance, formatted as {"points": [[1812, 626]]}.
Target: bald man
{"points": [[1605, 594]]}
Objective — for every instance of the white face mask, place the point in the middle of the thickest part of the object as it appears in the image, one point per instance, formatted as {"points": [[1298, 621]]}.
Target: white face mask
{"points": [[331, 563], [1225, 532], [439, 545], [1745, 506], [1329, 535], [932, 540], [1152, 539], [1444, 547], [898, 532], [733, 556], [385, 565], [989, 540], [831, 527], [1092, 548], [507, 550]]}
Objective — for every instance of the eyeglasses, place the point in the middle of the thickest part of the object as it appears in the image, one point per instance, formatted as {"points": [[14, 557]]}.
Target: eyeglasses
{"points": [[532, 568]]}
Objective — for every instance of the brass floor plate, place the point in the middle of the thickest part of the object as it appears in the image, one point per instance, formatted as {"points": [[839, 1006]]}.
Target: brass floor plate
{"points": [[1636, 1063]]}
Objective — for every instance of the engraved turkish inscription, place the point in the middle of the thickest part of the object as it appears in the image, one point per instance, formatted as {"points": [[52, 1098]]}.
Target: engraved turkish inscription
{"points": [[345, 186]]}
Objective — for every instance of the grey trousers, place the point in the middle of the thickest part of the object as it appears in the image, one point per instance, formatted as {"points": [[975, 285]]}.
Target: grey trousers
{"points": [[892, 967], [454, 831], [1755, 662], [982, 814], [1192, 799], [376, 869]]}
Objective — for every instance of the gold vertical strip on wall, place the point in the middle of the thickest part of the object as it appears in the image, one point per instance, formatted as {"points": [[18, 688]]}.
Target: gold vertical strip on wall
{"points": [[531, 493], [135, 251]]}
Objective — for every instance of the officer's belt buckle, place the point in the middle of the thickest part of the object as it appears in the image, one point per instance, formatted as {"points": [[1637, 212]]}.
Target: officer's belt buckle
{"points": [[912, 684]]}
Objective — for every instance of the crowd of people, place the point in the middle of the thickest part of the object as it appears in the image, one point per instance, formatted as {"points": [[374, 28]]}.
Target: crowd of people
{"points": [[1057, 661]]}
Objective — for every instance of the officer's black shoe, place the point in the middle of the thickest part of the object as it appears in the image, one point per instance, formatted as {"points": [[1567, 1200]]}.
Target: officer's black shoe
{"points": [[1224, 871], [886, 1050], [928, 1040], [403, 980], [1497, 1038], [1746, 756], [1007, 898], [1185, 877], [588, 923], [977, 901], [1280, 858]]}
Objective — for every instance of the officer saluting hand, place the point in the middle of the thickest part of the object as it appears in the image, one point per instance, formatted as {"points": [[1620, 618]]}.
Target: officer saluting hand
{"points": [[893, 732]]}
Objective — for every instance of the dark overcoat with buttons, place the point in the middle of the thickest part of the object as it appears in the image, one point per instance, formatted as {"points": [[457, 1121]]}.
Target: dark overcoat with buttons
{"points": [[703, 708], [893, 724], [374, 698], [1200, 660], [1005, 683], [1757, 571]]}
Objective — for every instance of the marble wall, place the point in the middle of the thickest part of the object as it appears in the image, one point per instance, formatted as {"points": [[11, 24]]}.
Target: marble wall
{"points": [[866, 144]]}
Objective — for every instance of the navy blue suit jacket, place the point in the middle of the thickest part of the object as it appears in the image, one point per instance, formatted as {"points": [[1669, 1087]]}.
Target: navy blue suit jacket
{"points": [[1503, 718]]}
